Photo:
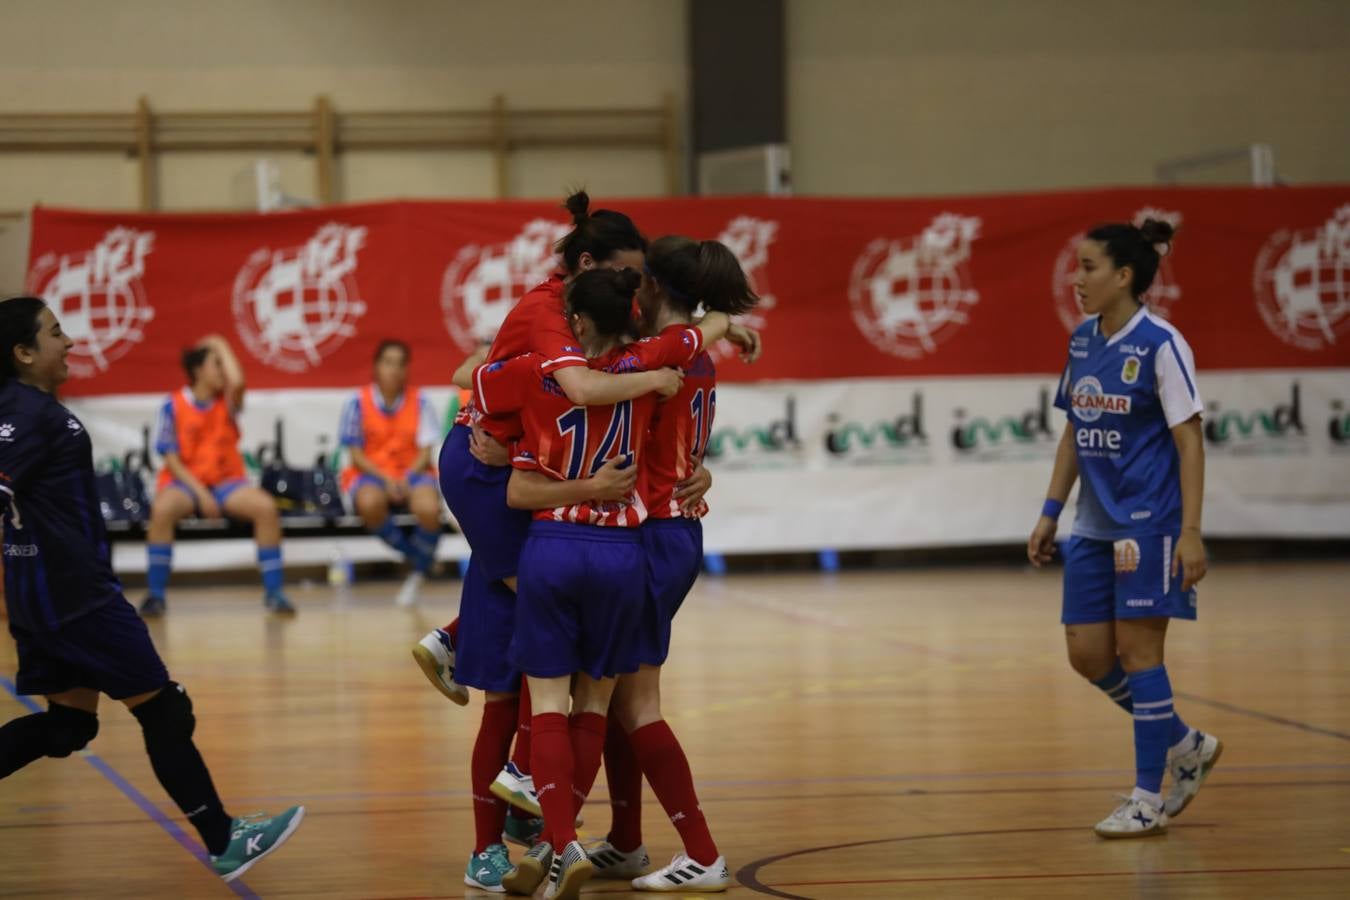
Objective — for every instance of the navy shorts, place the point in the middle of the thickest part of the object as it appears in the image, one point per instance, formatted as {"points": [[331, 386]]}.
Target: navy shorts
{"points": [[581, 593], [108, 649], [1130, 578], [487, 620], [674, 551], [476, 495]]}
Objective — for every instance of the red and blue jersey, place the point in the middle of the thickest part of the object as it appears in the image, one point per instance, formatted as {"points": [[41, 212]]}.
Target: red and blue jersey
{"points": [[538, 325], [679, 437], [567, 442]]}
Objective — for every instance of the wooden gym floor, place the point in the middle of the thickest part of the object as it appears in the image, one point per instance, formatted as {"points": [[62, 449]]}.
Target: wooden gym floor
{"points": [[878, 734]]}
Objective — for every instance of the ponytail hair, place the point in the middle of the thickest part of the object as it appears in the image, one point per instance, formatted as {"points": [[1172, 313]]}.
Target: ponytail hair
{"points": [[19, 327], [693, 272], [601, 233], [605, 296], [1136, 247]]}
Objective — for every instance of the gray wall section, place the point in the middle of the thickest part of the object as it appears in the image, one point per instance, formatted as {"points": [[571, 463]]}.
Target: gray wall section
{"points": [[737, 60]]}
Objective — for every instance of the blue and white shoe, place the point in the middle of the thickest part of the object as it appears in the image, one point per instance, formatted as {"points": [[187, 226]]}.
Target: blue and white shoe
{"points": [[1136, 817], [485, 870], [435, 656], [278, 603], [1190, 763], [524, 832], [516, 788], [153, 607]]}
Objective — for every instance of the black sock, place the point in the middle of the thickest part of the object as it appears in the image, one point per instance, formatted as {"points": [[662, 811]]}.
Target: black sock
{"points": [[167, 723], [22, 741]]}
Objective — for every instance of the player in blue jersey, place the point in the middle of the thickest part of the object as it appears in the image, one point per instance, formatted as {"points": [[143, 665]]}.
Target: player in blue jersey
{"points": [[77, 636], [1134, 440]]}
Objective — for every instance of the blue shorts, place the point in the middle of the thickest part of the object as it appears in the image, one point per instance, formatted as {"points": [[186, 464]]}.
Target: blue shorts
{"points": [[581, 594], [108, 650], [476, 495], [1126, 579], [415, 480], [220, 492], [487, 619], [674, 550]]}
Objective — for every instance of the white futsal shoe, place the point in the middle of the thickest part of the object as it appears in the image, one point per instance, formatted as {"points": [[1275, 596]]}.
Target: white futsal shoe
{"points": [[683, 875], [1136, 817], [435, 656], [611, 862], [411, 588], [517, 788], [571, 870], [1190, 764]]}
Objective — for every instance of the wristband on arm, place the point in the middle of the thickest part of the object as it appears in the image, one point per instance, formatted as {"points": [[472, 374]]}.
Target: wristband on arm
{"points": [[1052, 508]]}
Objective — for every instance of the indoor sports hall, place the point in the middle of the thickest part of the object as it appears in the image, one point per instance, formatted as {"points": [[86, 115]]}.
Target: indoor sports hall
{"points": [[858, 449]]}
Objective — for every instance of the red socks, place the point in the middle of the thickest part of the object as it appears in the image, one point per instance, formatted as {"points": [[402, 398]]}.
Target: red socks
{"points": [[552, 764], [588, 748], [489, 755], [521, 755], [667, 770], [625, 790]]}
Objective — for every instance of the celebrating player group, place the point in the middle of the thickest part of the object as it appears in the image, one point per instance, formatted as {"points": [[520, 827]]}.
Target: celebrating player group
{"points": [[576, 475]]}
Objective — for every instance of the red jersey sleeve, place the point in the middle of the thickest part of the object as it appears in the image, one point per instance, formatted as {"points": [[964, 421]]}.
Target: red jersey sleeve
{"points": [[500, 387], [552, 338], [675, 346]]}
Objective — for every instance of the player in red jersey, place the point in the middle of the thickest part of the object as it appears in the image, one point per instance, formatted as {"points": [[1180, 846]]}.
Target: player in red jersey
{"points": [[577, 607], [475, 491], [679, 276]]}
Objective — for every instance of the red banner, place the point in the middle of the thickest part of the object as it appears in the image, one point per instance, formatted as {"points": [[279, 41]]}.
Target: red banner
{"points": [[935, 286]]}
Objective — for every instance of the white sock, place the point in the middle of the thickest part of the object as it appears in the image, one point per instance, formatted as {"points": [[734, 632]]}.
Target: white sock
{"points": [[1154, 800], [1190, 736]]}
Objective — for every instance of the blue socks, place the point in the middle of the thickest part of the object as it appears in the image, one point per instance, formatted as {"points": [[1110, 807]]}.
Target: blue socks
{"points": [[395, 537], [424, 548], [1155, 725], [269, 563], [160, 560], [1116, 685], [420, 549]]}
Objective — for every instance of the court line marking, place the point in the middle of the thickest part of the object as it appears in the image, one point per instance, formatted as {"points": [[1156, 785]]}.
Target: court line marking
{"points": [[600, 801], [129, 790], [771, 604], [748, 875], [1263, 716]]}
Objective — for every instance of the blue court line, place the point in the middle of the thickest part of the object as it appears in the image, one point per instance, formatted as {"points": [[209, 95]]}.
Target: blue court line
{"points": [[129, 791]]}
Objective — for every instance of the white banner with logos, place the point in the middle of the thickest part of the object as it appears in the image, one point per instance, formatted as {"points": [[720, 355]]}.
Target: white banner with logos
{"points": [[897, 462]]}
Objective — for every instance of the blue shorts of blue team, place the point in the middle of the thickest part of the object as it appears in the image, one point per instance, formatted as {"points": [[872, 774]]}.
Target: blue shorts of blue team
{"points": [[581, 592], [674, 551], [107, 650], [1130, 578], [476, 495], [415, 480], [221, 492], [487, 621]]}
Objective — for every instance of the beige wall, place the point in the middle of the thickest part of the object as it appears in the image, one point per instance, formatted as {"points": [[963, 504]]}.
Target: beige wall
{"points": [[885, 96], [192, 55], [958, 96]]}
